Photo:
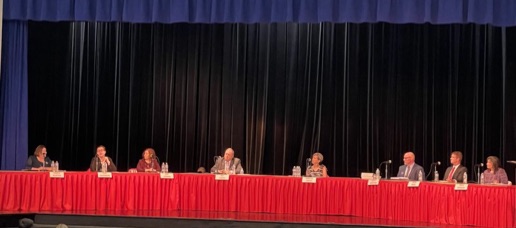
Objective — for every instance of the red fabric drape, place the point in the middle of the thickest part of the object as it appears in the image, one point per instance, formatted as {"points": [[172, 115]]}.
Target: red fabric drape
{"points": [[36, 191], [480, 205]]}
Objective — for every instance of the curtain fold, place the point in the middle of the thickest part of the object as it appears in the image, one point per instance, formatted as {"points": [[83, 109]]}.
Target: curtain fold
{"points": [[14, 96], [499, 12], [358, 93]]}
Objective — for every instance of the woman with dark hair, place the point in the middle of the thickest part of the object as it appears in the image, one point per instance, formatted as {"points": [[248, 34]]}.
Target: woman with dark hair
{"points": [[494, 174], [39, 161], [148, 163]]}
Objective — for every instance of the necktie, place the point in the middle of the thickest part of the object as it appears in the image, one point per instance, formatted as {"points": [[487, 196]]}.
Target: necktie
{"points": [[408, 171], [451, 173]]}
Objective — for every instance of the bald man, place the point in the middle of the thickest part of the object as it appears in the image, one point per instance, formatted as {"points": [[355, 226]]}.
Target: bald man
{"points": [[225, 164], [410, 169]]}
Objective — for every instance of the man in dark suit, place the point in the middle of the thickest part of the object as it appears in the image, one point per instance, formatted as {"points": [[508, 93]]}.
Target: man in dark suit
{"points": [[410, 169], [456, 171], [228, 163]]}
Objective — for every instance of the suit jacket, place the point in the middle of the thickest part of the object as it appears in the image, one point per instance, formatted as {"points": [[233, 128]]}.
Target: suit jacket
{"points": [[458, 174], [96, 165], [413, 175], [33, 162], [220, 165]]}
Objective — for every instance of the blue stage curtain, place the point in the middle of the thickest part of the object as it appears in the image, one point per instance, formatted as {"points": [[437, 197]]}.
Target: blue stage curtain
{"points": [[495, 12], [13, 96]]}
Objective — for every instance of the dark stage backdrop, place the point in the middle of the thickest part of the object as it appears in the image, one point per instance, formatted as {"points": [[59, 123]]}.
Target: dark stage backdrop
{"points": [[358, 93]]}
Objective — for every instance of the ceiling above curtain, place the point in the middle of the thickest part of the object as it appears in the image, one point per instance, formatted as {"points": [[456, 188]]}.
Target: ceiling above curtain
{"points": [[495, 12]]}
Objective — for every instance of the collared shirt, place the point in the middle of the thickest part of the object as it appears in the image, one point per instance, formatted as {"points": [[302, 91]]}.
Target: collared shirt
{"points": [[227, 164], [408, 170], [454, 168]]}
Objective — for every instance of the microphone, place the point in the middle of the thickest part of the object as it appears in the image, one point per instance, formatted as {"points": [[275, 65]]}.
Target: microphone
{"points": [[386, 167], [433, 164], [308, 160], [386, 162], [478, 171]]}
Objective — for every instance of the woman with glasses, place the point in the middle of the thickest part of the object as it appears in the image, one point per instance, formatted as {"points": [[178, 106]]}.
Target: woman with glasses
{"points": [[39, 161]]}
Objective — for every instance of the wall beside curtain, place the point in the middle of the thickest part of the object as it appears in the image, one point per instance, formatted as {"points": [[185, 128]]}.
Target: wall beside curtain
{"points": [[276, 93]]}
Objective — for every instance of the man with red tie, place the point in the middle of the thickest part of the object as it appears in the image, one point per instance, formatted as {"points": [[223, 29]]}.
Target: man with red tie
{"points": [[456, 171]]}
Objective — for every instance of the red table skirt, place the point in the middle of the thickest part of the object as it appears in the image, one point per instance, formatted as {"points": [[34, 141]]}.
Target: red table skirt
{"points": [[480, 205]]}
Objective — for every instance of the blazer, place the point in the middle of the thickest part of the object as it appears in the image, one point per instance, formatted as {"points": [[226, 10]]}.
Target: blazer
{"points": [[220, 165], [458, 174], [413, 175], [96, 166], [33, 162]]}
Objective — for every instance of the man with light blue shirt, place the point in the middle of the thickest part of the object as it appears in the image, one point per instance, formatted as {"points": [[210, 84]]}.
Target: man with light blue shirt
{"points": [[410, 169]]}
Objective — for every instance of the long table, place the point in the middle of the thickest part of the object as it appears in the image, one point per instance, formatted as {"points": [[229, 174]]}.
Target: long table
{"points": [[479, 205]]}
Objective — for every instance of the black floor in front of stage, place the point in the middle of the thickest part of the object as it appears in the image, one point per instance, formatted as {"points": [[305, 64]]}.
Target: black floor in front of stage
{"points": [[195, 219]]}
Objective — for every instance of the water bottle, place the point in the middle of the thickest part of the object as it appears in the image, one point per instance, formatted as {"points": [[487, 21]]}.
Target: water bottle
{"points": [[420, 176], [163, 167], [465, 178], [104, 167], [52, 166], [294, 171], [56, 166], [482, 178], [436, 176], [166, 167], [232, 169], [377, 173]]}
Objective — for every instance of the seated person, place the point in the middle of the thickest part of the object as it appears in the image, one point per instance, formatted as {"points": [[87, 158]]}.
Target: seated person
{"points": [[494, 174], [317, 169], [456, 171], [410, 169], [226, 164], [96, 162], [39, 161], [148, 163]]}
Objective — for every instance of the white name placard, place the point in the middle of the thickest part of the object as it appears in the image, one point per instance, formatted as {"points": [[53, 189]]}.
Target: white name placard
{"points": [[222, 177], [104, 175], [461, 187], [413, 184], [310, 180], [56, 174], [373, 182], [166, 175]]}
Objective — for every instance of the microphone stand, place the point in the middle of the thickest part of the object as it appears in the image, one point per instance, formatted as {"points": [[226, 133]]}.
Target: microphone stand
{"points": [[97, 159], [428, 175], [478, 174], [435, 169], [386, 171]]}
